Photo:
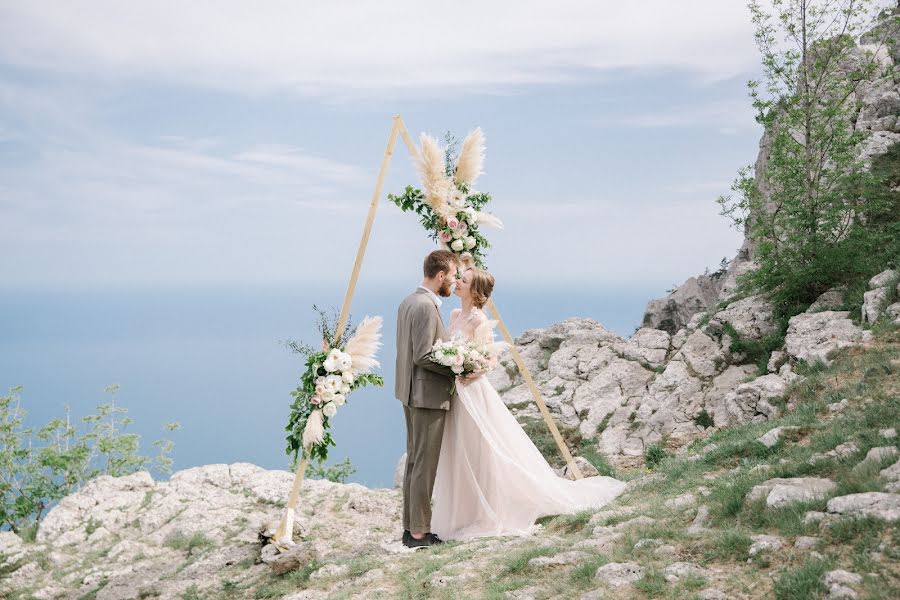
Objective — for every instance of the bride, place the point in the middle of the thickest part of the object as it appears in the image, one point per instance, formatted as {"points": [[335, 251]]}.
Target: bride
{"points": [[491, 479]]}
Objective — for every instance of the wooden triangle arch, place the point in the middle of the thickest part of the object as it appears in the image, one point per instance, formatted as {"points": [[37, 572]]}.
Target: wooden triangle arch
{"points": [[282, 537]]}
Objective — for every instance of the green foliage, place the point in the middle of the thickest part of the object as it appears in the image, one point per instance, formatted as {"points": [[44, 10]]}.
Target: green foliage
{"points": [[40, 466], [729, 545], [338, 473], [302, 406], [819, 218], [414, 200], [801, 583], [180, 541], [595, 457], [757, 351], [654, 454], [540, 435], [704, 419], [652, 584]]}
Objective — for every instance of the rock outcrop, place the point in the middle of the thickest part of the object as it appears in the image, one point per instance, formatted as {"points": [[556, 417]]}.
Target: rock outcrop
{"points": [[877, 114]]}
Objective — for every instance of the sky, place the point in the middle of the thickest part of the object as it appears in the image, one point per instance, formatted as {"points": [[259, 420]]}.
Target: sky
{"points": [[211, 142], [226, 142]]}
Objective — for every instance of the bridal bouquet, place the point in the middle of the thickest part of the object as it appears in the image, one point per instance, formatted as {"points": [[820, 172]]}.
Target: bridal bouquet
{"points": [[449, 208], [466, 356], [331, 374]]}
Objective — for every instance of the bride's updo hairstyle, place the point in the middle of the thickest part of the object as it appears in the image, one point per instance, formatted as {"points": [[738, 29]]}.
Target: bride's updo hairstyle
{"points": [[481, 286]]}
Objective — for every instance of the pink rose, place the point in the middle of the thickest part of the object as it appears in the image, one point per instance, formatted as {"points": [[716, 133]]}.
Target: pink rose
{"points": [[463, 226], [445, 236], [453, 223], [458, 360], [315, 400]]}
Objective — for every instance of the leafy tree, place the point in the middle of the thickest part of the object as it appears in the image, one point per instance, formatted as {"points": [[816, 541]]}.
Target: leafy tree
{"points": [[40, 466], [338, 473], [813, 211]]}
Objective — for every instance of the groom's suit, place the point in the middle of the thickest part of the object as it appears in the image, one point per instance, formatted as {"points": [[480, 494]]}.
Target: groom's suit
{"points": [[423, 387]]}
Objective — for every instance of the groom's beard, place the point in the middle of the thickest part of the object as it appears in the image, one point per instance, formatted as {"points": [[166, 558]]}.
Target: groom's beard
{"points": [[445, 288]]}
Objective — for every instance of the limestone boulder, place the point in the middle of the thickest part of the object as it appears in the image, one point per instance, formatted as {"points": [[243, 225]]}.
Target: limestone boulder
{"points": [[882, 505], [812, 336], [751, 402], [783, 491], [752, 318]]}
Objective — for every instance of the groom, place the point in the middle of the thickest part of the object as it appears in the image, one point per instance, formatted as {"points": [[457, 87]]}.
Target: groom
{"points": [[424, 387]]}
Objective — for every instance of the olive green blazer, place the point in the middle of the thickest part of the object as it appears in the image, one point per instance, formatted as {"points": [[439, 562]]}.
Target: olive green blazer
{"points": [[420, 382]]}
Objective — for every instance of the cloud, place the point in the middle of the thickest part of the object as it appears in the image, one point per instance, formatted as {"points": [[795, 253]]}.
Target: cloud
{"points": [[728, 117], [366, 48]]}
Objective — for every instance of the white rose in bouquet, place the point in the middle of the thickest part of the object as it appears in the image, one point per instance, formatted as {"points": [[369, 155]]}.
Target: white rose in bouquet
{"points": [[456, 246], [470, 242], [339, 399], [345, 389], [345, 362], [327, 395], [347, 376], [329, 410]]}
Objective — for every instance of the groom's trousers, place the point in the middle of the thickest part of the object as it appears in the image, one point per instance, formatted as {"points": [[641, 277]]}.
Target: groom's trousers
{"points": [[424, 431]]}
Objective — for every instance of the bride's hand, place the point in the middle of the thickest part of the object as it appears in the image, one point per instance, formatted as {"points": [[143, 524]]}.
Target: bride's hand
{"points": [[467, 379]]}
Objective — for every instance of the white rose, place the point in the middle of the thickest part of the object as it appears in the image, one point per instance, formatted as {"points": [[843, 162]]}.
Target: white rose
{"points": [[345, 389], [347, 376], [470, 214], [456, 234], [339, 399], [345, 361], [332, 361], [329, 410], [470, 242], [457, 369], [320, 380], [333, 382], [456, 246], [327, 395]]}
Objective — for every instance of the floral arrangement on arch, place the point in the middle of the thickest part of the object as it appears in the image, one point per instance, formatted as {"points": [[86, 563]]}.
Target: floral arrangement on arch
{"points": [[331, 375], [449, 207]]}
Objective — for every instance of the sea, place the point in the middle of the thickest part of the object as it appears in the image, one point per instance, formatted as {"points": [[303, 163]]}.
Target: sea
{"points": [[215, 359]]}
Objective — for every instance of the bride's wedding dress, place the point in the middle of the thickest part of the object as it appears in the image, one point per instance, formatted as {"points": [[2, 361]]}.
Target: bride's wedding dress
{"points": [[491, 479]]}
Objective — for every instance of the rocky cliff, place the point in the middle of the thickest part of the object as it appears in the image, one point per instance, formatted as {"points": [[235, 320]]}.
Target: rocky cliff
{"points": [[877, 113], [804, 504]]}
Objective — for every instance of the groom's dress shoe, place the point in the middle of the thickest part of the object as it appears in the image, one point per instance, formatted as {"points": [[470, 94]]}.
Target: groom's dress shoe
{"points": [[429, 539], [406, 536]]}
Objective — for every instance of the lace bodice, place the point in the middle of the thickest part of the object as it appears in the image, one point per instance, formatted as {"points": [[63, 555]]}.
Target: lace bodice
{"points": [[470, 326]]}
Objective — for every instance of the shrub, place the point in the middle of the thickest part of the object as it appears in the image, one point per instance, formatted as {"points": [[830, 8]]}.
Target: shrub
{"points": [[38, 467]]}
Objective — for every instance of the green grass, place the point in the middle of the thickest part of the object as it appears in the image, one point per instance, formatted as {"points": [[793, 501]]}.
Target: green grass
{"points": [[803, 582], [190, 543], [729, 545], [568, 523], [518, 562], [654, 454], [652, 584]]}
